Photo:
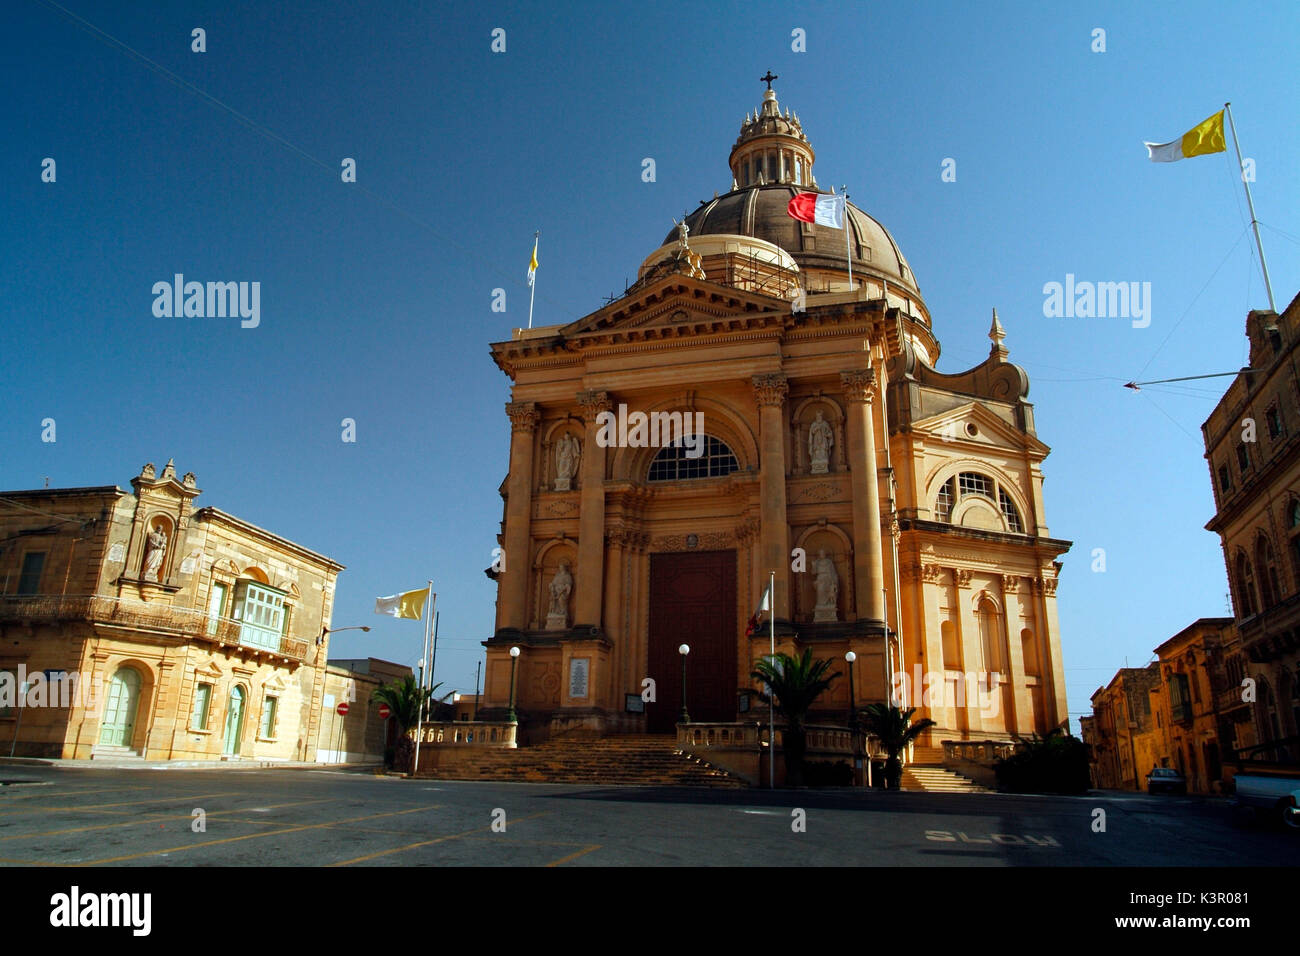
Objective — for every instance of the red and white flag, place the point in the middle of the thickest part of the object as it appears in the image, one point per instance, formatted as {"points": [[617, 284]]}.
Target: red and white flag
{"points": [[825, 210]]}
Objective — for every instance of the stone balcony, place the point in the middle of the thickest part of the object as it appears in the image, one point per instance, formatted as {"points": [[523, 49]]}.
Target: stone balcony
{"points": [[179, 622]]}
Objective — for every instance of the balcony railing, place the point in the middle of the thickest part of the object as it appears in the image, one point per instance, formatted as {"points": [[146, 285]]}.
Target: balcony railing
{"points": [[183, 621]]}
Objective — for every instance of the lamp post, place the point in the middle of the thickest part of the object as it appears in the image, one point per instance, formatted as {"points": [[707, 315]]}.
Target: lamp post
{"points": [[853, 707], [326, 629], [514, 658], [853, 722], [684, 717]]}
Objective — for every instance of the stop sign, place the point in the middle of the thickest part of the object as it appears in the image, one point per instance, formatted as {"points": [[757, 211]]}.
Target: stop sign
{"points": [[342, 709], [384, 712]]}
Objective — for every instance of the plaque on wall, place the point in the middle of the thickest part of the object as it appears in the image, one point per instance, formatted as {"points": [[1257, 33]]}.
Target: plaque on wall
{"points": [[190, 563], [117, 553], [578, 671]]}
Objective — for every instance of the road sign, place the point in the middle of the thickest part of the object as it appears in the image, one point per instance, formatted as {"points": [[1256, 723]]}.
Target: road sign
{"points": [[342, 709], [384, 712]]}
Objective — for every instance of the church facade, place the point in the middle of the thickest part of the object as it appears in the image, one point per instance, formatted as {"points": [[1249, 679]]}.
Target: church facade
{"points": [[746, 412]]}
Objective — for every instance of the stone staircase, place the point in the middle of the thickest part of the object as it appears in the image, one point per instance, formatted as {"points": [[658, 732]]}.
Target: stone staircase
{"points": [[617, 760], [933, 778], [111, 752]]}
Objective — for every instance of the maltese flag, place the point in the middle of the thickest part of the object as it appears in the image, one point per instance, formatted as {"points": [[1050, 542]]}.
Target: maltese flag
{"points": [[825, 210]]}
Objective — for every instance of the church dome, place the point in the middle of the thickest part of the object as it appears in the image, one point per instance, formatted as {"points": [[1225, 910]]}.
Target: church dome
{"points": [[771, 163], [760, 212]]}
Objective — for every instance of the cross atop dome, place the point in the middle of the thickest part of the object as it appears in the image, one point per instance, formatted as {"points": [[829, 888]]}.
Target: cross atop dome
{"points": [[772, 148]]}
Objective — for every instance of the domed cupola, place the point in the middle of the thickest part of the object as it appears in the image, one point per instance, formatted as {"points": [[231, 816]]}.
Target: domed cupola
{"points": [[771, 148]]}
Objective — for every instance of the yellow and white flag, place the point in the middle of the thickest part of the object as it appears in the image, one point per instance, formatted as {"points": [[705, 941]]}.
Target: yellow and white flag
{"points": [[532, 264], [409, 604], [1200, 140]]}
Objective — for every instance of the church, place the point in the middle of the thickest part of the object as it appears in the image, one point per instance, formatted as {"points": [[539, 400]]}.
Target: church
{"points": [[763, 400]]}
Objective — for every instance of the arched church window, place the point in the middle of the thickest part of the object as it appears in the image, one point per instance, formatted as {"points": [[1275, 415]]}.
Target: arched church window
{"points": [[675, 462], [1010, 513], [1245, 586], [1268, 584], [943, 503]]}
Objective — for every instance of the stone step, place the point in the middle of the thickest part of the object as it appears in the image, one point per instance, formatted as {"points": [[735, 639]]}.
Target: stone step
{"points": [[932, 779]]}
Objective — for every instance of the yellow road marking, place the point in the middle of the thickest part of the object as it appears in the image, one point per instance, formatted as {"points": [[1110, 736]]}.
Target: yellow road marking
{"points": [[251, 836], [55, 793], [573, 856], [424, 843], [105, 807], [160, 819]]}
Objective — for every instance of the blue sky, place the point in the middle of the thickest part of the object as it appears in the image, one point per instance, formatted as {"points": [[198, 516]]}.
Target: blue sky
{"points": [[376, 295]]}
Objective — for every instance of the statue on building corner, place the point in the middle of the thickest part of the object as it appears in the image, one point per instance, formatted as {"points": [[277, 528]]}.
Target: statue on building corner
{"points": [[567, 453], [827, 583], [155, 550], [820, 440], [557, 618]]}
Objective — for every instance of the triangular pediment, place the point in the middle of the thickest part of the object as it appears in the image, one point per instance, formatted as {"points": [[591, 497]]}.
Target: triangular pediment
{"points": [[952, 428], [678, 302]]}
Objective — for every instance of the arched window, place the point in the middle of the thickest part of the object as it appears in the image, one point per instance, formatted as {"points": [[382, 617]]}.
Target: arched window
{"points": [[1268, 584], [1010, 513], [991, 639], [1245, 586], [673, 463]]}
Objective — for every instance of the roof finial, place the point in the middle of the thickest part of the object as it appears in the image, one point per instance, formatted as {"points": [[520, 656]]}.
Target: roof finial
{"points": [[768, 79], [997, 333]]}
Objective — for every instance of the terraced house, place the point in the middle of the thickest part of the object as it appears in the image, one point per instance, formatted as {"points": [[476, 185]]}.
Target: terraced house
{"points": [[1252, 444], [181, 632]]}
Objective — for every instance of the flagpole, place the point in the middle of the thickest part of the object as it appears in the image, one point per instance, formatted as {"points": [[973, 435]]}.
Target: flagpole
{"points": [[532, 286], [771, 698], [419, 712], [848, 255], [1254, 223]]}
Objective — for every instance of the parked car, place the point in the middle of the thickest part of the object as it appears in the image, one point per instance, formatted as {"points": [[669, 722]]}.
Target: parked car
{"points": [[1166, 780], [1270, 794]]}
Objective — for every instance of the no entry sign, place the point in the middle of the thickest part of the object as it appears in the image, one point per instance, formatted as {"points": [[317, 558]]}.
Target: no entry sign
{"points": [[384, 712], [342, 709]]}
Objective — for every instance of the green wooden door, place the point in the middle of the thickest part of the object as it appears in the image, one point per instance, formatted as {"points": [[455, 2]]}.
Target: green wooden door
{"points": [[234, 721], [120, 708]]}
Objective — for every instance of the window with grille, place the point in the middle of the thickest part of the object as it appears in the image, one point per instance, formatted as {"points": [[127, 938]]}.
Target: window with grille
{"points": [[971, 483], [673, 464], [943, 504], [1010, 513]]}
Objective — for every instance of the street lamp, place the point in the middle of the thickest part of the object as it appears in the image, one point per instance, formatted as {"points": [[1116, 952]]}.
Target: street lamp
{"points": [[514, 658], [853, 707], [684, 717], [326, 629]]}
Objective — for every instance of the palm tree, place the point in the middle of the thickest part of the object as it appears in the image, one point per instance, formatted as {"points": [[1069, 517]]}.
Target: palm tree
{"points": [[894, 728], [404, 697], [796, 683]]}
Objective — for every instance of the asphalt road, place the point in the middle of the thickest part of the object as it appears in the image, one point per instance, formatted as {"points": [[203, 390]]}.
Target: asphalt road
{"points": [[63, 816]]}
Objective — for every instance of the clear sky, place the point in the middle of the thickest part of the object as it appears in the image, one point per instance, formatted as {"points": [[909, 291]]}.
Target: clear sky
{"points": [[376, 296]]}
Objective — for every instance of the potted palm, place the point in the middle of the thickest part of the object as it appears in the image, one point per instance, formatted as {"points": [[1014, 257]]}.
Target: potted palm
{"points": [[894, 728], [404, 697], [795, 683]]}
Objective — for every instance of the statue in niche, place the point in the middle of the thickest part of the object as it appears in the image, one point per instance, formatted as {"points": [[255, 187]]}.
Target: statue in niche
{"points": [[567, 453], [557, 619], [827, 583], [155, 549], [820, 440]]}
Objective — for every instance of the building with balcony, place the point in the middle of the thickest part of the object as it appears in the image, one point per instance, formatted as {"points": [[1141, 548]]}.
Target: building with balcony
{"points": [[134, 624], [1125, 740], [1252, 445]]}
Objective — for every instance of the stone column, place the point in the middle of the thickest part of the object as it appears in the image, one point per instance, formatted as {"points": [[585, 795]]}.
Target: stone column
{"points": [[513, 596], [868, 560], [1021, 696], [770, 391], [1052, 667], [972, 652], [590, 579]]}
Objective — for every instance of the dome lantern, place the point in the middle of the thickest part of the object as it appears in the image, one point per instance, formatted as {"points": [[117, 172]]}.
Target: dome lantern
{"points": [[772, 147]]}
